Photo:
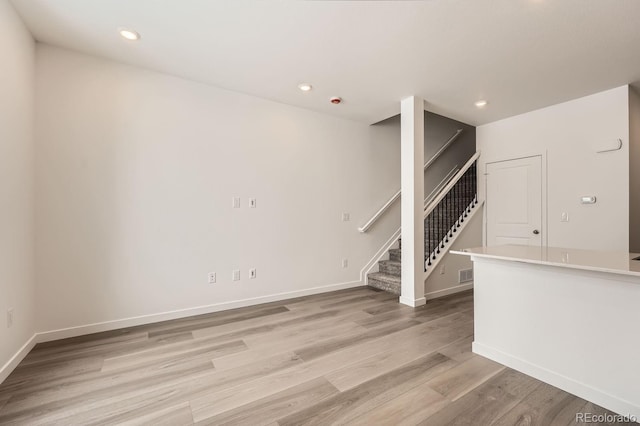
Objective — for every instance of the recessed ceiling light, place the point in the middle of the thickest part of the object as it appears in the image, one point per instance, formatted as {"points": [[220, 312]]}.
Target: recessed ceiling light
{"points": [[129, 34], [481, 103], [305, 87]]}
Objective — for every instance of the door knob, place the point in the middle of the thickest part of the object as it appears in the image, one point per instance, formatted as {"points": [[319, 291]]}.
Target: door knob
{"points": [[536, 232]]}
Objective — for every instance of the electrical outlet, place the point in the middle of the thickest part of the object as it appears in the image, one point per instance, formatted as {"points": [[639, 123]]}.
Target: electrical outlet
{"points": [[252, 273], [9, 317], [212, 277], [442, 270], [345, 263], [252, 203], [236, 202], [346, 217], [236, 275]]}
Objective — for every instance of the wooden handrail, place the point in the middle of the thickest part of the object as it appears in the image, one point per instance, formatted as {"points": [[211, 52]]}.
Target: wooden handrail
{"points": [[439, 187], [395, 196], [450, 185], [444, 148]]}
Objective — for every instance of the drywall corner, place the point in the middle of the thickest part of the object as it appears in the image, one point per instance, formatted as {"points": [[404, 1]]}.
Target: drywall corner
{"points": [[17, 224], [634, 170]]}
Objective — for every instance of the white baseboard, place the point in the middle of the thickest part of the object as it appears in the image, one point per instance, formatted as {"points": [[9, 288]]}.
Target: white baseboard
{"points": [[610, 402], [47, 336], [447, 291], [414, 303], [17, 358], [64, 333]]}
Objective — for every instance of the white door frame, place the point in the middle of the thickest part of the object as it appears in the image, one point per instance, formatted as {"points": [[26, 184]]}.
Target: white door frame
{"points": [[543, 174]]}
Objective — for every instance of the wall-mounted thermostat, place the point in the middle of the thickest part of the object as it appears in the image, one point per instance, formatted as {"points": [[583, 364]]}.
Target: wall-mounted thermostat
{"points": [[588, 199]]}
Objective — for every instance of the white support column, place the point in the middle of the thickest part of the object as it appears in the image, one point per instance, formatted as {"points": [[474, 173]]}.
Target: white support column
{"points": [[412, 206]]}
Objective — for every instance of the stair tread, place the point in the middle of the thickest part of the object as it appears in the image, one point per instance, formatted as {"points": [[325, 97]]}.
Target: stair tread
{"points": [[386, 282], [385, 277], [390, 262]]}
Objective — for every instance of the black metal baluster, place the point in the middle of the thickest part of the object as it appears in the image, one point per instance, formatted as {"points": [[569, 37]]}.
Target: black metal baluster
{"points": [[435, 231], [456, 207], [457, 187], [442, 225], [469, 205], [458, 201], [450, 215], [427, 243], [432, 225], [475, 183], [427, 253], [424, 234], [437, 228], [471, 186], [453, 210], [445, 203], [433, 234], [462, 198], [430, 220], [468, 191]]}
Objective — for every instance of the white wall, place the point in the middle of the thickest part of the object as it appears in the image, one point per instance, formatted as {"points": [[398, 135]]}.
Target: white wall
{"points": [[634, 170], [567, 135], [16, 183], [136, 172]]}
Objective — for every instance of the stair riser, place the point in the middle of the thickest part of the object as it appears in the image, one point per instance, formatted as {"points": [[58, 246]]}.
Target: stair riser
{"points": [[395, 255], [385, 286], [389, 268]]}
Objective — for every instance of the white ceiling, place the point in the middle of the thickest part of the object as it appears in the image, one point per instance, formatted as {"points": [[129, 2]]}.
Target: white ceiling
{"points": [[518, 54]]}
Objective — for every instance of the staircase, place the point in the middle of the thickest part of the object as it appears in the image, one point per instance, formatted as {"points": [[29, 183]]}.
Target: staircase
{"points": [[388, 276], [445, 217]]}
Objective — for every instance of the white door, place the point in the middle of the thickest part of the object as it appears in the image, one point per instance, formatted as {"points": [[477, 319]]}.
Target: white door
{"points": [[514, 202]]}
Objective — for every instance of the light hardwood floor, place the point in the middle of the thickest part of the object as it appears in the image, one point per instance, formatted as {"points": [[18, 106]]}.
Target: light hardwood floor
{"points": [[349, 357]]}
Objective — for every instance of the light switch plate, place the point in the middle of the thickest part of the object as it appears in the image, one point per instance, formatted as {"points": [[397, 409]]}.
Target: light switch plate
{"points": [[564, 217], [236, 202], [236, 275]]}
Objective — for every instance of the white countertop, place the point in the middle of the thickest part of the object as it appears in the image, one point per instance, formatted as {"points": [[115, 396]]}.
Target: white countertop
{"points": [[588, 260]]}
